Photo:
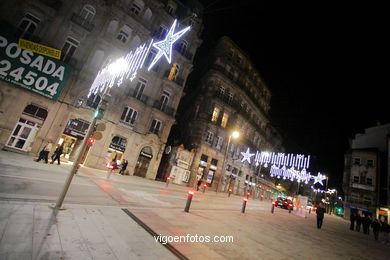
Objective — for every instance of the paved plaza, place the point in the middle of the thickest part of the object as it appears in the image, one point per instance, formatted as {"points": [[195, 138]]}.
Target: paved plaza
{"points": [[117, 218]]}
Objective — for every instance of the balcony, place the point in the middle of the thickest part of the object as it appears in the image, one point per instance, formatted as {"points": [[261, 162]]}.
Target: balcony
{"points": [[138, 96], [362, 186], [77, 19], [164, 108], [179, 81]]}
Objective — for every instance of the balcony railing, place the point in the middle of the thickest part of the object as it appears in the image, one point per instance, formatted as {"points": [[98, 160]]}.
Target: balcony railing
{"points": [[179, 81], [140, 97], [77, 19], [164, 108]]}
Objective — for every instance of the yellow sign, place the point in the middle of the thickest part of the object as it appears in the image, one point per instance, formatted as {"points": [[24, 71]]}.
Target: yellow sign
{"points": [[39, 48]]}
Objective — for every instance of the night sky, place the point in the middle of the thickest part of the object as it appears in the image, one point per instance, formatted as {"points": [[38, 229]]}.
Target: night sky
{"points": [[324, 63]]}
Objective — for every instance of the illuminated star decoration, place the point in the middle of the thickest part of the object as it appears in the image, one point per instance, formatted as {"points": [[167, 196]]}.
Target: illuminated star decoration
{"points": [[319, 178], [247, 156], [164, 47]]}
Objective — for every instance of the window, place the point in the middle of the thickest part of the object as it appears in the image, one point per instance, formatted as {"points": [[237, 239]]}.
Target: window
{"points": [[35, 111], [69, 48], [214, 162], [230, 97], [356, 161], [369, 181], [118, 143], [93, 101], [87, 13], [370, 163], [219, 143], [112, 26], [182, 47], [164, 100], [137, 7], [239, 173], [162, 31], [170, 8], [155, 126], [27, 26], [222, 91], [150, 58], [139, 89], [209, 137], [225, 119], [129, 115], [215, 115], [124, 33], [204, 158], [356, 179]]}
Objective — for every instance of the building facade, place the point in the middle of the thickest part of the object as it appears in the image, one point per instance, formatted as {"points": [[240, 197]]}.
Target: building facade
{"points": [[366, 173], [90, 34], [226, 95]]}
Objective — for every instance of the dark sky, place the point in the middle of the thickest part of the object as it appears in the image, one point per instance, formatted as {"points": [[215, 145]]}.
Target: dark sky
{"points": [[324, 63]]}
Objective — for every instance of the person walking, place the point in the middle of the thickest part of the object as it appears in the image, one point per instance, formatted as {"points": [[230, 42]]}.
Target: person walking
{"points": [[358, 222], [365, 221], [385, 229], [57, 153], [352, 218], [44, 154], [320, 215], [376, 226], [113, 166], [198, 184], [123, 167]]}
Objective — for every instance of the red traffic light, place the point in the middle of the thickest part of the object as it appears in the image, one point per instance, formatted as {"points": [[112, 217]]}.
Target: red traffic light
{"points": [[230, 190], [168, 178]]}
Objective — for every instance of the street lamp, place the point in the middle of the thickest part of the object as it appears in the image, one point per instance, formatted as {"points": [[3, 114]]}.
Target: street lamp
{"points": [[235, 135]]}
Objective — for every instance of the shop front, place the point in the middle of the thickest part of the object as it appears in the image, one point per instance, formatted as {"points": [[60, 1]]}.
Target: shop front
{"points": [[74, 132], [143, 162]]}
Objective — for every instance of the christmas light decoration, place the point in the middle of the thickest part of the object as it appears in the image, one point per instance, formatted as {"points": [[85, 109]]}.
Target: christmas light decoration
{"points": [[127, 66]]}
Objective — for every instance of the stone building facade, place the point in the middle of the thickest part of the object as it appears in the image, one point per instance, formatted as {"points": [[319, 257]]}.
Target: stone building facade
{"points": [[227, 94], [90, 34], [366, 173]]}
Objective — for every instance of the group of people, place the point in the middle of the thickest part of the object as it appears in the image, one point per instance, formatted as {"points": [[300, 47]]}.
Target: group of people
{"points": [[44, 153], [114, 166], [378, 227]]}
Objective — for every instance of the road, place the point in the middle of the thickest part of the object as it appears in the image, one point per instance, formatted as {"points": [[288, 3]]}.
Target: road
{"points": [[258, 234]]}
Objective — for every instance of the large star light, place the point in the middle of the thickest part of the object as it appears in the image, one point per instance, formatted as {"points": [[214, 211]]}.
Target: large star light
{"points": [[319, 178], [164, 47], [247, 156]]}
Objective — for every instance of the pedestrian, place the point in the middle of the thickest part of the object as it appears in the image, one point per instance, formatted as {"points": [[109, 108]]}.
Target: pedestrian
{"points": [[44, 154], [385, 229], [320, 215], [57, 153], [198, 184], [364, 223], [376, 226], [358, 222], [352, 218], [123, 167], [112, 167]]}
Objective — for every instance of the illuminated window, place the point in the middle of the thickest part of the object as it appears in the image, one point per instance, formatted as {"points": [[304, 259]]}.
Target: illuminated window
{"points": [[215, 116], [225, 119]]}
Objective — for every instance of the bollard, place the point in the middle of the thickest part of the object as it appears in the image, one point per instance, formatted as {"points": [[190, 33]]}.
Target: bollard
{"points": [[273, 207], [248, 194], [245, 200], [190, 194], [167, 181], [229, 192], [204, 187]]}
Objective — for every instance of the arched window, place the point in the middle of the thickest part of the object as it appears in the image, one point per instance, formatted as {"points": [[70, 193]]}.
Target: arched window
{"points": [[124, 33], [137, 7], [35, 111], [118, 143], [87, 13], [112, 26], [135, 42], [147, 15], [182, 47]]}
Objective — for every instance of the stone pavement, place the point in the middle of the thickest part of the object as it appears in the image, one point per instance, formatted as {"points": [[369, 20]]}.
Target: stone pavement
{"points": [[33, 231]]}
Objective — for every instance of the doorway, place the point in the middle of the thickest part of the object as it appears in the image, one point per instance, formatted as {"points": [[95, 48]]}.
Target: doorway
{"points": [[142, 165], [23, 135]]}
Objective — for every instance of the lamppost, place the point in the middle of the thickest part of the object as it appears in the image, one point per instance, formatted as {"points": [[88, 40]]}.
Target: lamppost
{"points": [[234, 134]]}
